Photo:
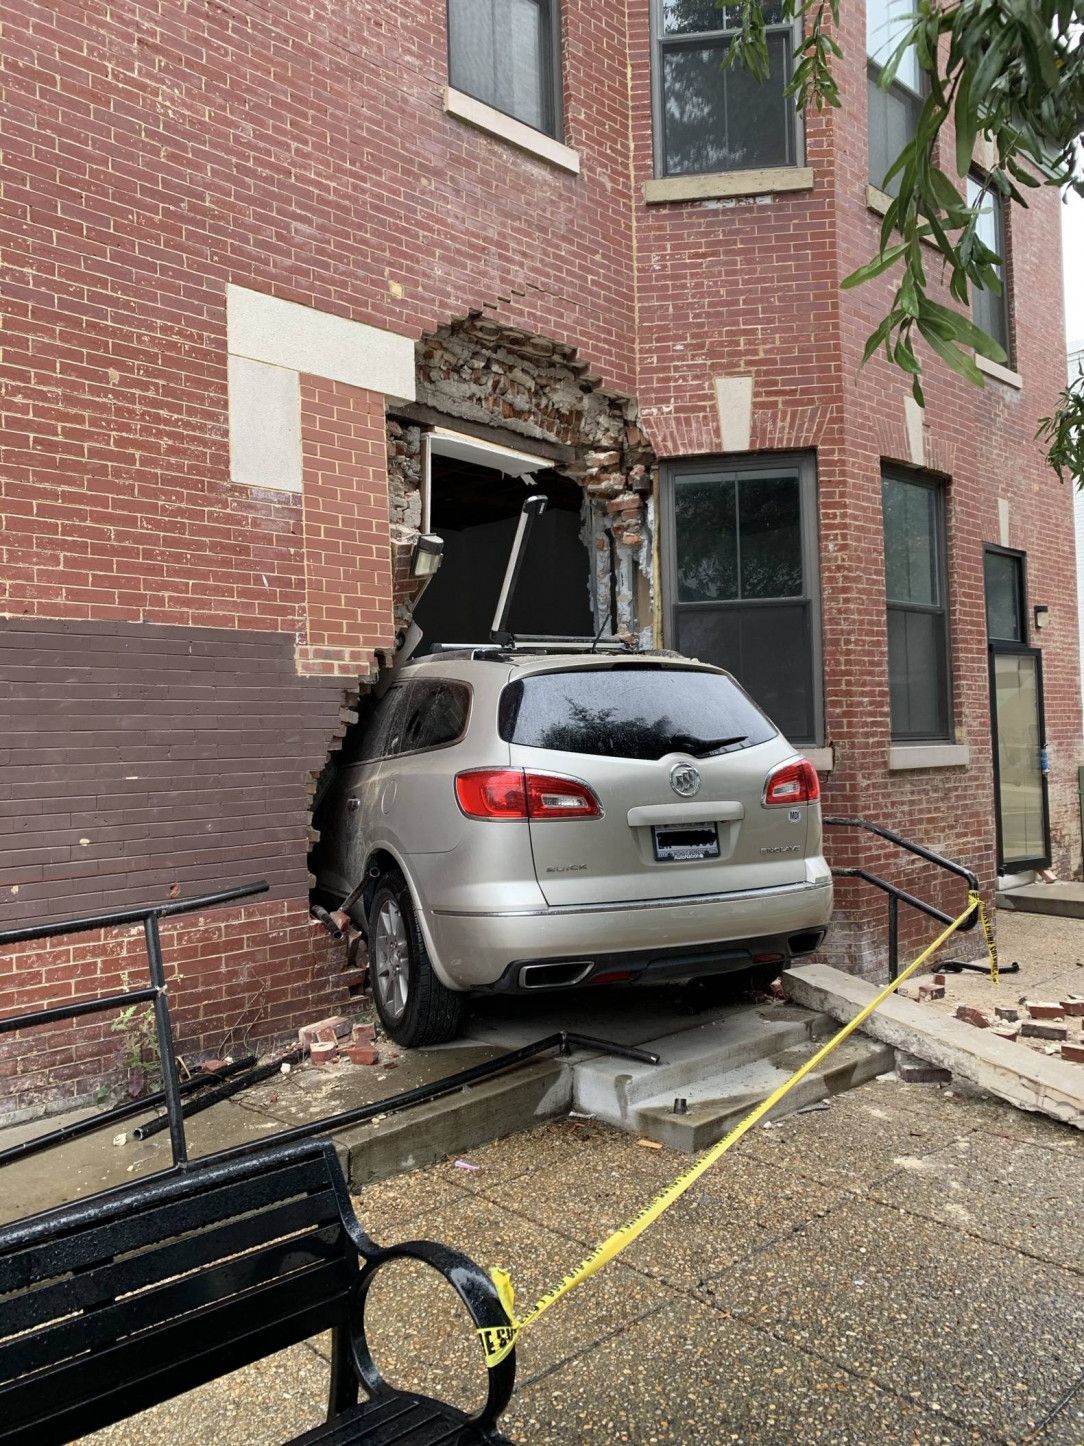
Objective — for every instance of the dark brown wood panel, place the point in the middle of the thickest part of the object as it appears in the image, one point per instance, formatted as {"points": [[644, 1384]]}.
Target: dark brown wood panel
{"points": [[135, 758]]}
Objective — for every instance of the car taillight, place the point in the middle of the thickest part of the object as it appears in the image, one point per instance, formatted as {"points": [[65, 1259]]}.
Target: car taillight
{"points": [[560, 798], [792, 783], [512, 793]]}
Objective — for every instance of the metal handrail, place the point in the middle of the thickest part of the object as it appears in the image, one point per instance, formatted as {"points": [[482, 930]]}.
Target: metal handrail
{"points": [[155, 993], [896, 895]]}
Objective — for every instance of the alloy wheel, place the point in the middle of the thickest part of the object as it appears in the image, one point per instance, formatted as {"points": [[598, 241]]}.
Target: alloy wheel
{"points": [[391, 960]]}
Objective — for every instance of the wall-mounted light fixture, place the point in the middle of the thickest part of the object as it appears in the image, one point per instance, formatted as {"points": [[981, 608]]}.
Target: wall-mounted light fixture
{"points": [[428, 551], [1042, 616]]}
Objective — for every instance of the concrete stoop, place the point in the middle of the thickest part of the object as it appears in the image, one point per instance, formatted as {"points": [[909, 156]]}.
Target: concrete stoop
{"points": [[722, 1071], [1028, 1080], [1063, 899], [721, 1064]]}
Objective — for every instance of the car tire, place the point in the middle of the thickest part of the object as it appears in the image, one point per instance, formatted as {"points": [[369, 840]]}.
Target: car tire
{"points": [[414, 1007]]}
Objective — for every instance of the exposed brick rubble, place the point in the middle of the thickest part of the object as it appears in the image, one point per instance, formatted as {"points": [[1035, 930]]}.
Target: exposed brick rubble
{"points": [[482, 372]]}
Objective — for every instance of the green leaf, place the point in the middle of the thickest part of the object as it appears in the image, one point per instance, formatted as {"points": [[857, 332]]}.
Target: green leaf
{"points": [[874, 340], [950, 354], [966, 117], [965, 331], [873, 268]]}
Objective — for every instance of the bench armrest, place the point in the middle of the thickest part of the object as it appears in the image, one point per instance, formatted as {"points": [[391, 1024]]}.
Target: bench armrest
{"points": [[478, 1294]]}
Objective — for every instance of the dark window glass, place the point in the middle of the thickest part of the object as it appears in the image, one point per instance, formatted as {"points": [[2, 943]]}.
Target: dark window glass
{"points": [[990, 309], [768, 648], [917, 621], [742, 599], [502, 52], [893, 111], [1004, 598], [437, 715], [635, 711], [713, 118], [385, 726]]}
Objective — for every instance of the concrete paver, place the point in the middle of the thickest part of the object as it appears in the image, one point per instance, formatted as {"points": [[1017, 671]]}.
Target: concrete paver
{"points": [[982, 1332]]}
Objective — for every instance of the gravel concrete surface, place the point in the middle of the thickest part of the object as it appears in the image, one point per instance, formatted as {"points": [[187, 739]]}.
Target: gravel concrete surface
{"points": [[904, 1266]]}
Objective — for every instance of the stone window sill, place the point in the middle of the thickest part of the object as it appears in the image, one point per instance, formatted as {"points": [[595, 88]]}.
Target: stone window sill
{"points": [[763, 182], [495, 123], [928, 755], [822, 759], [999, 373]]}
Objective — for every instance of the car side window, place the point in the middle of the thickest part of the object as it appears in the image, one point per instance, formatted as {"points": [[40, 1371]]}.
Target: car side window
{"points": [[381, 738], [436, 715]]}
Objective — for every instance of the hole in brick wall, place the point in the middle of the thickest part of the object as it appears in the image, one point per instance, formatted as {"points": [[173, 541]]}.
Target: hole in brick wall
{"points": [[476, 511]]}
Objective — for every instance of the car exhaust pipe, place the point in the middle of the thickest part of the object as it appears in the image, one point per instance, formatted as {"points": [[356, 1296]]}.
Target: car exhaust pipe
{"points": [[555, 976]]}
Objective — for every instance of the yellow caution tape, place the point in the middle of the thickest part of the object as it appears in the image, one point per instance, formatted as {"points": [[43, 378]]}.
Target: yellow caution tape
{"points": [[498, 1341]]}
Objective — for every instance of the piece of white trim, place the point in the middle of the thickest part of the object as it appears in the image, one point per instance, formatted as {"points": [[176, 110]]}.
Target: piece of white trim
{"points": [[445, 443], [285, 334], [822, 759], [734, 402], [764, 182], [1003, 521], [913, 418], [486, 118], [265, 425], [999, 373], [928, 755]]}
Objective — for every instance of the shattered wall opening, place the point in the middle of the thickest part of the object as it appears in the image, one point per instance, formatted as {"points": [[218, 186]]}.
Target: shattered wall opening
{"points": [[476, 511]]}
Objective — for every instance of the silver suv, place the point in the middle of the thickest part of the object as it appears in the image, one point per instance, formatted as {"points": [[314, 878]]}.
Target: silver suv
{"points": [[523, 821]]}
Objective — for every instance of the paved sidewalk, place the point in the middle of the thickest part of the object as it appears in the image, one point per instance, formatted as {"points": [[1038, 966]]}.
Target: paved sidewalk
{"points": [[906, 1266]]}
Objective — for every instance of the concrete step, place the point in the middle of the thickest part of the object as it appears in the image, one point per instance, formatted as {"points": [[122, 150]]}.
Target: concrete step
{"points": [[716, 1105], [702, 1052], [1064, 899]]}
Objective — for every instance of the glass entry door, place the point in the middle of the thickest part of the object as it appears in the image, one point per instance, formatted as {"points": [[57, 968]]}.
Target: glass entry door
{"points": [[1016, 687], [1016, 706]]}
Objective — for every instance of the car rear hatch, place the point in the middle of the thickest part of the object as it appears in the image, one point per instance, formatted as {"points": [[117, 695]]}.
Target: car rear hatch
{"points": [[678, 759]]}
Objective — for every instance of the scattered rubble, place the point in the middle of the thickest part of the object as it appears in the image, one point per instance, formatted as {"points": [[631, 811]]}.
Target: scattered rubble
{"points": [[1039, 1029], [335, 1027], [970, 1015]]}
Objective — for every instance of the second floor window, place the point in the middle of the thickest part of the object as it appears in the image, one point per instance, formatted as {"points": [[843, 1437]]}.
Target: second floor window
{"points": [[710, 119], [990, 309], [893, 112], [505, 53]]}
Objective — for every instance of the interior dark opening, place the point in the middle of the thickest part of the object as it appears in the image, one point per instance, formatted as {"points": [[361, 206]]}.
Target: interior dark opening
{"points": [[475, 511]]}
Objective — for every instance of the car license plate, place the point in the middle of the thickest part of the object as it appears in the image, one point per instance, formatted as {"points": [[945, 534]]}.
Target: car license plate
{"points": [[676, 843]]}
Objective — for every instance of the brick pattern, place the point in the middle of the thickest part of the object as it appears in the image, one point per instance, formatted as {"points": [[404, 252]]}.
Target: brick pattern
{"points": [[237, 979], [154, 151], [345, 527]]}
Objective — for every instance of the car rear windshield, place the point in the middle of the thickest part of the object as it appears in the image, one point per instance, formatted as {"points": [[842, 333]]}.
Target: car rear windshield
{"points": [[636, 711]]}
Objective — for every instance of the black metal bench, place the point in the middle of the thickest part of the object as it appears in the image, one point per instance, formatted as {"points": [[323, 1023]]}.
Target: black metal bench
{"points": [[114, 1304]]}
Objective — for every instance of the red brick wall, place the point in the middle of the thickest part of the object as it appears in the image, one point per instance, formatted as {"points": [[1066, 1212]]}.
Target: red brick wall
{"points": [[155, 150]]}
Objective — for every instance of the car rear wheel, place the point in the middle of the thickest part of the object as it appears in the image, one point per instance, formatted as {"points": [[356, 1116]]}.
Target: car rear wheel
{"points": [[414, 1006]]}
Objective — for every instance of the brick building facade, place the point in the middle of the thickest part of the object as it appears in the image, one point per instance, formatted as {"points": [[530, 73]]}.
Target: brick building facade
{"points": [[252, 253]]}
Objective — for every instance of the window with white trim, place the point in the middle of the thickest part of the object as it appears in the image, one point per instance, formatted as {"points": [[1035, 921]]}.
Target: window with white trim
{"points": [[893, 111]]}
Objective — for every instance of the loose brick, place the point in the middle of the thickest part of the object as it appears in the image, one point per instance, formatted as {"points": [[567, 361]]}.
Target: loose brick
{"points": [[1073, 1007], [1072, 1051], [970, 1015], [363, 1033], [333, 1028], [362, 1054], [1042, 1009], [1041, 1029], [321, 1052], [1004, 1012]]}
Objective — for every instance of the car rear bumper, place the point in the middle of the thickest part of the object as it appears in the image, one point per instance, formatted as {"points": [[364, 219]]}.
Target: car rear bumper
{"points": [[664, 938]]}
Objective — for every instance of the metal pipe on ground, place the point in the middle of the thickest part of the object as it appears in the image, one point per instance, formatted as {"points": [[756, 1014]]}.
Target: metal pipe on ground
{"points": [[221, 1092], [78, 1128]]}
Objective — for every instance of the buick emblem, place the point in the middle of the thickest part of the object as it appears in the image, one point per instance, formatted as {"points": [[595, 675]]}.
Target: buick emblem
{"points": [[685, 779]]}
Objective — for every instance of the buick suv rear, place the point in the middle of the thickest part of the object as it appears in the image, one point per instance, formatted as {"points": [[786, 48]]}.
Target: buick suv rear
{"points": [[527, 821]]}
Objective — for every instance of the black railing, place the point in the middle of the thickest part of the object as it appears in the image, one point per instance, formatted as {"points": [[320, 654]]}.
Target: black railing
{"points": [[154, 994], [896, 895]]}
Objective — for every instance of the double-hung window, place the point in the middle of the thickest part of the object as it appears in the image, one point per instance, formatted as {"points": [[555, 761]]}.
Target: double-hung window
{"points": [[710, 119], [742, 580], [506, 53], [893, 111], [990, 309], [915, 586]]}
